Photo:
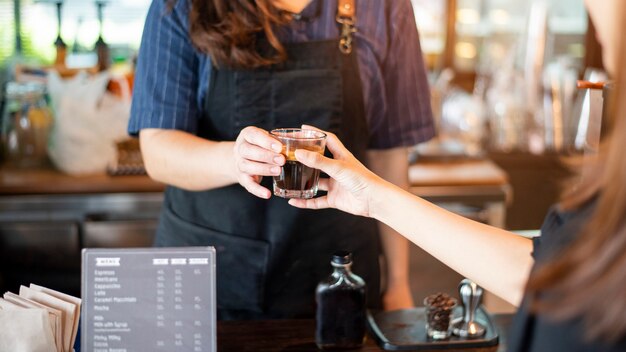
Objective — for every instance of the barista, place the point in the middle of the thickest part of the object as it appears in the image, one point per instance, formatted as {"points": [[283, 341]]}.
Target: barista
{"points": [[213, 77]]}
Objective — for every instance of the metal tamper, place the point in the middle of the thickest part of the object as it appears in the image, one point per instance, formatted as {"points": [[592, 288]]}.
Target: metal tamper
{"points": [[471, 295]]}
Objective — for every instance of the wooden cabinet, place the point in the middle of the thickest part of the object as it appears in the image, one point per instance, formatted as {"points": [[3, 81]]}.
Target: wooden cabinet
{"points": [[537, 182]]}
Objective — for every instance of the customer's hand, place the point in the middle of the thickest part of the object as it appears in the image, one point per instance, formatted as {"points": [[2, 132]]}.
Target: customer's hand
{"points": [[351, 184], [256, 154]]}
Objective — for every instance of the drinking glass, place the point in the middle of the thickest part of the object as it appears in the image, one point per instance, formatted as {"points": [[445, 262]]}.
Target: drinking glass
{"points": [[297, 180], [438, 315]]}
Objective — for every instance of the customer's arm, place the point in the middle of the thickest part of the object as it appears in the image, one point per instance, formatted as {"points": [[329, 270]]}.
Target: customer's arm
{"points": [[392, 165], [184, 160], [496, 259]]}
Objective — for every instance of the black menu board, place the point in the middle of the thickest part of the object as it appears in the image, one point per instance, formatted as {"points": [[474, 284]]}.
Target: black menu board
{"points": [[148, 299]]}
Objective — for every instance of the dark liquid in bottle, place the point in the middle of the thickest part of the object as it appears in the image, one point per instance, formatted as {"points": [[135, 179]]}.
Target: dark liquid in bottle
{"points": [[296, 176], [340, 317]]}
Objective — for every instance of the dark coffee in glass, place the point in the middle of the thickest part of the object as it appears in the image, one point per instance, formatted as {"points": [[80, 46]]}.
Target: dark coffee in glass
{"points": [[296, 176], [297, 180]]}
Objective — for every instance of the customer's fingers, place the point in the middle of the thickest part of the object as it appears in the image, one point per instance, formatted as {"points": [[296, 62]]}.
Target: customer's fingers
{"points": [[323, 184], [317, 161], [315, 203], [310, 127], [335, 146], [332, 142]]}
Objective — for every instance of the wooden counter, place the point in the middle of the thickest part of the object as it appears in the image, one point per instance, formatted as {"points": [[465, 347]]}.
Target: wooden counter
{"points": [[47, 217], [470, 172], [49, 181], [299, 335], [537, 182], [479, 185]]}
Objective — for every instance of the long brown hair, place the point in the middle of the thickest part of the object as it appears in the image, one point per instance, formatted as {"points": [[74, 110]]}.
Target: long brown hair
{"points": [[229, 31], [588, 279]]}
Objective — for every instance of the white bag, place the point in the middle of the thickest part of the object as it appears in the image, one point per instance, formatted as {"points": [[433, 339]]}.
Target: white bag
{"points": [[89, 121]]}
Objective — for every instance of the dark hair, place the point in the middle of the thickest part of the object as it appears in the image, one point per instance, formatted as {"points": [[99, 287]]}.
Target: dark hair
{"points": [[588, 279], [230, 31]]}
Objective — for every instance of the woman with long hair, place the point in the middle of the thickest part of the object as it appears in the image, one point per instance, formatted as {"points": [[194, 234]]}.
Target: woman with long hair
{"points": [[214, 76], [569, 283]]}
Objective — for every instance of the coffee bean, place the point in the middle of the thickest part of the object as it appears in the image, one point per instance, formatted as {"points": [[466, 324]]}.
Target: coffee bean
{"points": [[438, 310]]}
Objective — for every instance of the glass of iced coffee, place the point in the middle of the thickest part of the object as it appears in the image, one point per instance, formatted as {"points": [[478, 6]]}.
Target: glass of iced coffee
{"points": [[297, 180]]}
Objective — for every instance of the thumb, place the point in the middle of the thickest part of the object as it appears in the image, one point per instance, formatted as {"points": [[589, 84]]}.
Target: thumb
{"points": [[317, 161]]}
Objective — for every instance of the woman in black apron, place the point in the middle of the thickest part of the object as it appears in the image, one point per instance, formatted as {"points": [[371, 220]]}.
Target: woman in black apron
{"points": [[270, 256]]}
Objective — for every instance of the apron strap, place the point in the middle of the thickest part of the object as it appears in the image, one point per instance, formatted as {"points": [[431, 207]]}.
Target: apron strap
{"points": [[346, 17]]}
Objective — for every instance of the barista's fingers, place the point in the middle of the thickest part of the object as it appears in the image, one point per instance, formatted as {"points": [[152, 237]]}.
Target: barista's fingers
{"points": [[251, 185], [315, 203], [319, 203], [256, 153], [253, 168], [262, 138], [323, 184]]}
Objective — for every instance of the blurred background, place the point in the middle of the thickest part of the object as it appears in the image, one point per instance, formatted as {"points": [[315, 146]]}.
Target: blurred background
{"points": [[503, 73]]}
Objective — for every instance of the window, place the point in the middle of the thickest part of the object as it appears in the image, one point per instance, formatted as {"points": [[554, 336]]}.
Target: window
{"points": [[490, 28], [122, 27]]}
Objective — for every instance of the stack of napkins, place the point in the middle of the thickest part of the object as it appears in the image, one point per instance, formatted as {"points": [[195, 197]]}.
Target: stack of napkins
{"points": [[38, 319]]}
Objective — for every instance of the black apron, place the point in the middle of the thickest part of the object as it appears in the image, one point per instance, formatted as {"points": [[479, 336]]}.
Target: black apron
{"points": [[270, 255]]}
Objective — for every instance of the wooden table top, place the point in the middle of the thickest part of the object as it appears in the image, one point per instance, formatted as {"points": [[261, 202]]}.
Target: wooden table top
{"points": [[47, 180], [299, 335], [463, 172], [15, 181]]}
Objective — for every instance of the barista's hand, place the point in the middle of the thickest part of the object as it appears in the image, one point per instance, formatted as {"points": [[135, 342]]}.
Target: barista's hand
{"points": [[398, 296], [256, 154], [351, 184]]}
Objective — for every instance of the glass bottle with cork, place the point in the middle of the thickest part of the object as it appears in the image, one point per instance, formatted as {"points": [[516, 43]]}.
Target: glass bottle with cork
{"points": [[341, 306]]}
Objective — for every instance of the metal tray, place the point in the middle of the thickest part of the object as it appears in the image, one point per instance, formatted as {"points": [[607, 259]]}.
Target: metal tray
{"points": [[404, 330]]}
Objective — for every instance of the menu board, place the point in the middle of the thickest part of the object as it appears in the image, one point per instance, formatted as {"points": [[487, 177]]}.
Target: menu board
{"points": [[148, 299]]}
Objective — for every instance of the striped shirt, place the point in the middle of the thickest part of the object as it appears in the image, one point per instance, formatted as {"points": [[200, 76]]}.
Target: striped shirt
{"points": [[172, 77]]}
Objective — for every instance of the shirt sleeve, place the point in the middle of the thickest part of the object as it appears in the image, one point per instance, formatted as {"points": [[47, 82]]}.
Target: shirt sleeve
{"points": [[166, 77], [407, 116]]}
